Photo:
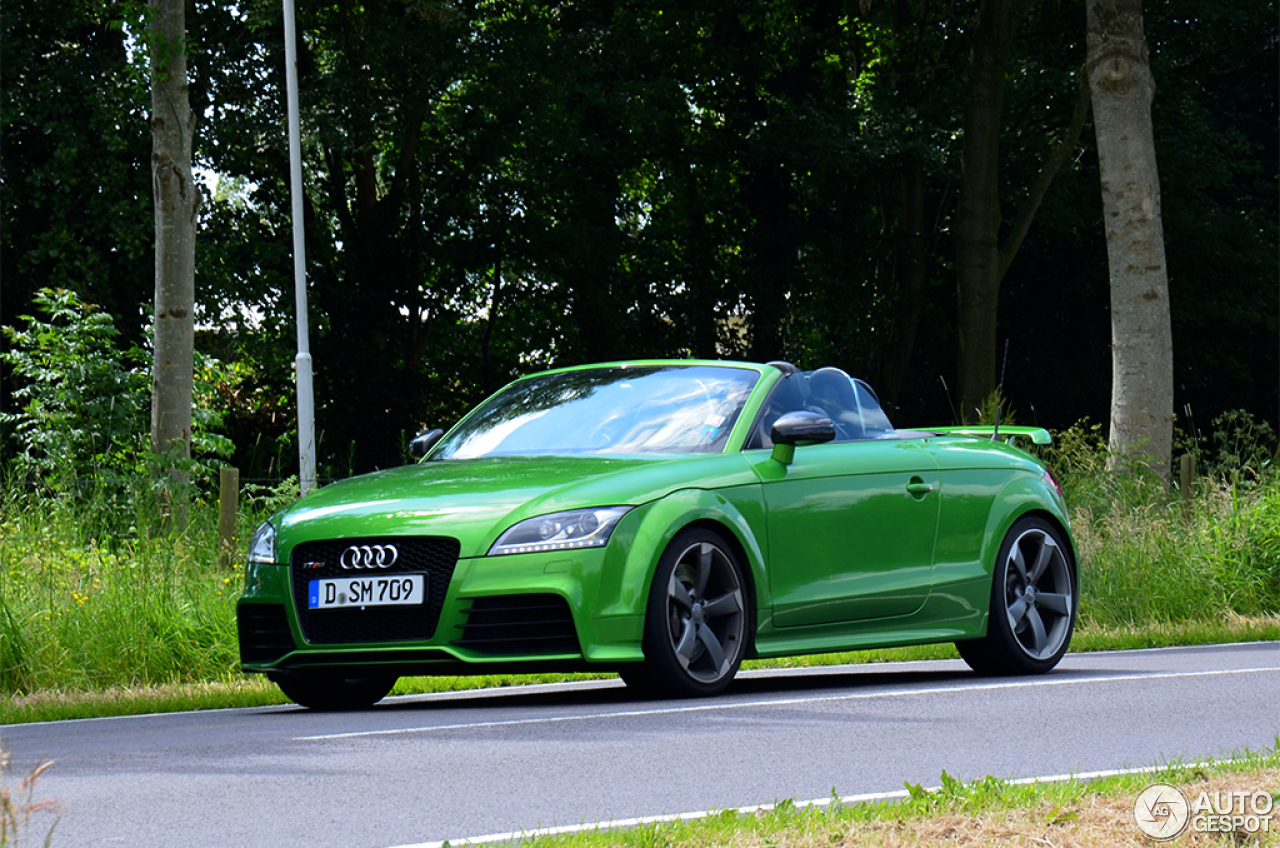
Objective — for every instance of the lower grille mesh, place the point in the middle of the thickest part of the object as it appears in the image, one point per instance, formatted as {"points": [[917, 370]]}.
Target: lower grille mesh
{"points": [[435, 557], [264, 632], [519, 624]]}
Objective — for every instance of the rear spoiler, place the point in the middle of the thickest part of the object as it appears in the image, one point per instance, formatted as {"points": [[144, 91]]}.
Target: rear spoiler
{"points": [[1037, 435]]}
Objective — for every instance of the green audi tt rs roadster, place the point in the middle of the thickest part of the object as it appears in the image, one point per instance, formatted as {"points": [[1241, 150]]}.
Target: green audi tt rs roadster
{"points": [[663, 520]]}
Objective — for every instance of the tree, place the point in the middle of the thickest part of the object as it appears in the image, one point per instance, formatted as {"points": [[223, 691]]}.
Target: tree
{"points": [[982, 259], [496, 188], [1121, 87], [175, 196], [74, 187]]}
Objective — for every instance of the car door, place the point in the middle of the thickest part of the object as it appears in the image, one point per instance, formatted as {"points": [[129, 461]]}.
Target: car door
{"points": [[851, 530]]}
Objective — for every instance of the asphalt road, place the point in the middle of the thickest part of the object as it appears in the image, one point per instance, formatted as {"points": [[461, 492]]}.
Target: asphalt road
{"points": [[422, 769]]}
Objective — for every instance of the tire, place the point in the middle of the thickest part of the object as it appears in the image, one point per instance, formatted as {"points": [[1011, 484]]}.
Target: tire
{"points": [[328, 693], [1034, 602], [697, 622]]}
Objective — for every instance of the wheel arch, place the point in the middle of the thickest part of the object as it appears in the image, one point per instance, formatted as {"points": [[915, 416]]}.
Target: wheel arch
{"points": [[1020, 497], [667, 518]]}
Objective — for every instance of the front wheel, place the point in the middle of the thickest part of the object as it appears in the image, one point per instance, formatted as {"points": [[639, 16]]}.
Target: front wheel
{"points": [[697, 622], [330, 693], [1033, 603]]}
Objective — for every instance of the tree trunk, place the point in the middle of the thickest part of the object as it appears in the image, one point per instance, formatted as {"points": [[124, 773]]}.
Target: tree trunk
{"points": [[911, 280], [1121, 87], [175, 198], [978, 211], [982, 260]]}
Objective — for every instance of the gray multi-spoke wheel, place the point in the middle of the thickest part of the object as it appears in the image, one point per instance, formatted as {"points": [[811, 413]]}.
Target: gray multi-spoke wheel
{"points": [[697, 622], [1033, 603]]}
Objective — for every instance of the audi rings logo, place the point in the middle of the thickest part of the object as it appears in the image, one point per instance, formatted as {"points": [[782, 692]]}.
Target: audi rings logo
{"points": [[369, 556]]}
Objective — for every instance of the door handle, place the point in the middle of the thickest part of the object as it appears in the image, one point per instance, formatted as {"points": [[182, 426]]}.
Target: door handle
{"points": [[919, 488]]}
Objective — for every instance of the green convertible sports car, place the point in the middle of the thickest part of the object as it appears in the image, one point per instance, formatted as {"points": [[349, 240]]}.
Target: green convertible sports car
{"points": [[664, 520]]}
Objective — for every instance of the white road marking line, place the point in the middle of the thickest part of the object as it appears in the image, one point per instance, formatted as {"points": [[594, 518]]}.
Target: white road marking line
{"points": [[639, 821], [782, 702]]}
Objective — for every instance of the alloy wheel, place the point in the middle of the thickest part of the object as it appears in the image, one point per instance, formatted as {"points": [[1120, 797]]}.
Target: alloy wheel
{"points": [[1038, 593], [705, 614]]}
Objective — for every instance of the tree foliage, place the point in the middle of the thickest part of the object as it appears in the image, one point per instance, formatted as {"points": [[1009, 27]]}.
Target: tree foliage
{"points": [[498, 187], [74, 188]]}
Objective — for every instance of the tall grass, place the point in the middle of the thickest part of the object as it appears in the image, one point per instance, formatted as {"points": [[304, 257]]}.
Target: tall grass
{"points": [[90, 599], [1151, 553]]}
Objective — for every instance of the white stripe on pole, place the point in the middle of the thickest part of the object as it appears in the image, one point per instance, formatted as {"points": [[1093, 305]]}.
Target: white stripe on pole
{"points": [[302, 363]]}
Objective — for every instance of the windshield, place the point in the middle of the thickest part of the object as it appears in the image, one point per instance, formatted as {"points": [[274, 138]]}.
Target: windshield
{"points": [[621, 409]]}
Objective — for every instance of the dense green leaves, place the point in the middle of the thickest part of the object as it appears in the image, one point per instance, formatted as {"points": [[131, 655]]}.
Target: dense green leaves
{"points": [[494, 187], [83, 403], [74, 194]]}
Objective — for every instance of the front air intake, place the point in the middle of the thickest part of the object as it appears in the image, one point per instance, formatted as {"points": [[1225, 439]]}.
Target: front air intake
{"points": [[507, 625], [264, 633]]}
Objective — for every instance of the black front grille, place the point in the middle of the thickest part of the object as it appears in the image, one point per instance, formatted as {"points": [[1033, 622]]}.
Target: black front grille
{"points": [[520, 624], [433, 556], [264, 632]]}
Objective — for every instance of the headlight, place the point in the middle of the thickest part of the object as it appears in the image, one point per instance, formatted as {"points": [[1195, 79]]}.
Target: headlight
{"points": [[263, 546], [561, 531]]}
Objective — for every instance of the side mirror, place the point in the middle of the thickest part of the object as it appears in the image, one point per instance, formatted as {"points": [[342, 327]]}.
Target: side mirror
{"points": [[799, 428], [423, 442], [802, 428]]}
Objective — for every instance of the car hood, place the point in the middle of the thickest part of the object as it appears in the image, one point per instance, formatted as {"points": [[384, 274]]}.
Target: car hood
{"points": [[475, 500]]}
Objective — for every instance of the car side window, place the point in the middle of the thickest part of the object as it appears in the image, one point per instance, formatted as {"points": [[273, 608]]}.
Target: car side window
{"points": [[787, 396], [850, 404], [875, 423], [831, 394]]}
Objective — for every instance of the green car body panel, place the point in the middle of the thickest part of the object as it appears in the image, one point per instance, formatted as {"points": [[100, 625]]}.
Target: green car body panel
{"points": [[843, 544]]}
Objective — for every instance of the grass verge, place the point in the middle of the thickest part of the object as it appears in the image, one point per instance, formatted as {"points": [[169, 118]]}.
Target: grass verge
{"points": [[1074, 811]]}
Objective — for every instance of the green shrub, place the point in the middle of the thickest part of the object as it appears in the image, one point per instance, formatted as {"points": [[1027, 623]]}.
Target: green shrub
{"points": [[83, 407], [82, 430]]}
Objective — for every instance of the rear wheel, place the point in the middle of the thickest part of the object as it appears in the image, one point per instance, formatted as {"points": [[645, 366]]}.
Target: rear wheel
{"points": [[333, 693], [1033, 603], [697, 622]]}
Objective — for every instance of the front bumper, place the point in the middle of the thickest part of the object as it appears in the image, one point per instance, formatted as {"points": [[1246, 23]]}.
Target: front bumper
{"points": [[509, 614]]}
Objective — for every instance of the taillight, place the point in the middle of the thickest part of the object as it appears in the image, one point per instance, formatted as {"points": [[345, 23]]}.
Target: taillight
{"points": [[1054, 483]]}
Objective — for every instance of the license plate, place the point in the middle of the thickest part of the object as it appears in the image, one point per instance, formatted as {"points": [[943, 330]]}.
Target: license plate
{"points": [[391, 590]]}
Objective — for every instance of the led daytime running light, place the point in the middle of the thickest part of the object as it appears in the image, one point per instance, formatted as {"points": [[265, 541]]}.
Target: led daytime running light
{"points": [[550, 546]]}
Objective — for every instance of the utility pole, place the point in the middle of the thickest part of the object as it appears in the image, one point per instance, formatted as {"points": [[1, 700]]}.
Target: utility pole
{"points": [[302, 362]]}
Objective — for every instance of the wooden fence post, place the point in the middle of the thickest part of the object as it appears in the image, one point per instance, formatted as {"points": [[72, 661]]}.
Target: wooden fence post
{"points": [[228, 511], [1187, 478]]}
